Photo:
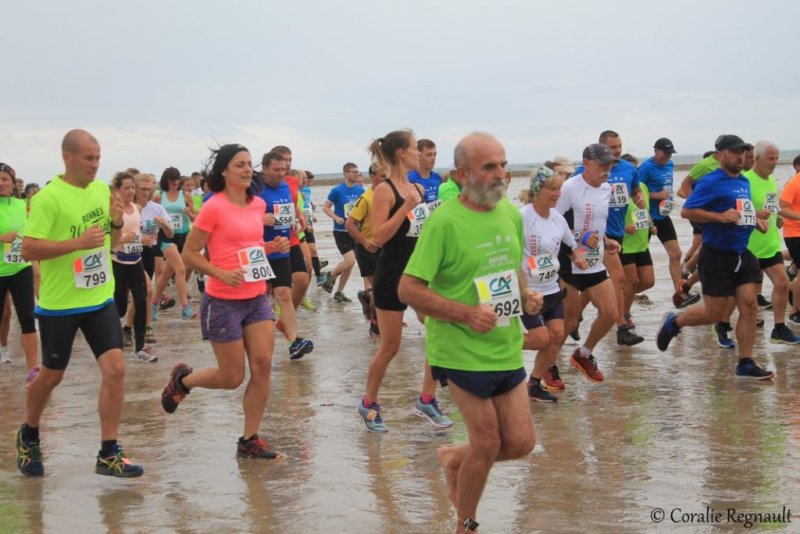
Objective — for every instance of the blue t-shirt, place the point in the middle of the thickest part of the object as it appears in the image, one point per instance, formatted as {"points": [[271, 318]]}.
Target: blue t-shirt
{"points": [[279, 203], [430, 185], [657, 178], [719, 192], [623, 179], [343, 199]]}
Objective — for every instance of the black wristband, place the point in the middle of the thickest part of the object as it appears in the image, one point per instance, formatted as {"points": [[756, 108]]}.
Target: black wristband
{"points": [[114, 226]]}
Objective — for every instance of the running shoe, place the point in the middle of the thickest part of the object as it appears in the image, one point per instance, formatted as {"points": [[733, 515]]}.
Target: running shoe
{"points": [[723, 334], [794, 318], [127, 337], [629, 321], [187, 313], [320, 279], [34, 372], [539, 394], [576, 334], [760, 323], [748, 369], [256, 447], [148, 335], [683, 297], [5, 355], [299, 348], [116, 465], [626, 336], [145, 355], [551, 381], [29, 456], [669, 329], [154, 313], [782, 334], [374, 331], [763, 303], [586, 365], [174, 392], [323, 264], [341, 298], [432, 413], [372, 417], [308, 305], [166, 303], [327, 284], [363, 298]]}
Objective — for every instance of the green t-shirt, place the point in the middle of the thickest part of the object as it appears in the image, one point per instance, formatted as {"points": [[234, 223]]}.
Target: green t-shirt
{"points": [[703, 167], [13, 213], [766, 245], [197, 200], [60, 212], [639, 241], [449, 189], [458, 245]]}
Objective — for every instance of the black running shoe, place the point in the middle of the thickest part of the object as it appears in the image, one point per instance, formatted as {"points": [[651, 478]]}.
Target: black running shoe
{"points": [[174, 392]]}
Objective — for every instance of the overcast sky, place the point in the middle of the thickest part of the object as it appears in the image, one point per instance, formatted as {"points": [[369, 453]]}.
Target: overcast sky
{"points": [[158, 82]]}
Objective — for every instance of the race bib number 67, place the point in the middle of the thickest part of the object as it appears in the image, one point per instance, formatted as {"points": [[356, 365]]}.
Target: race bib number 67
{"points": [[501, 292]]}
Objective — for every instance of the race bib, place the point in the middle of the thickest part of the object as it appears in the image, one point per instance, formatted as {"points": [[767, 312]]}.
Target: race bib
{"points": [[434, 205], [501, 292], [91, 271], [771, 203], [149, 227], [177, 221], [417, 218], [348, 208], [284, 214], [747, 212], [641, 219], [133, 247], [309, 215], [543, 267], [254, 262], [12, 252], [619, 195], [665, 206]]}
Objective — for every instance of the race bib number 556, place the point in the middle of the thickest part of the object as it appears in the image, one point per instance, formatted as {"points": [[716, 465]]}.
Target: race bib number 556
{"points": [[501, 292]]}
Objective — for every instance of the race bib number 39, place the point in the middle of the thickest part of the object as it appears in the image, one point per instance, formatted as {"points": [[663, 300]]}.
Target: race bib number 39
{"points": [[747, 212], [91, 271], [254, 262], [619, 195], [12, 252], [501, 292]]}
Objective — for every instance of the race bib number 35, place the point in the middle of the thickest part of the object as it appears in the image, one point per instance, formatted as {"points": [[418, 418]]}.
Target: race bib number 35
{"points": [[417, 218], [254, 262], [501, 292], [91, 271]]}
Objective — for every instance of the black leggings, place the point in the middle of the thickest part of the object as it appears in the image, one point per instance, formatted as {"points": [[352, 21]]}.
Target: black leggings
{"points": [[21, 286], [132, 277]]}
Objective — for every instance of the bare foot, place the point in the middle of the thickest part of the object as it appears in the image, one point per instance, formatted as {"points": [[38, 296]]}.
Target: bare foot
{"points": [[450, 466]]}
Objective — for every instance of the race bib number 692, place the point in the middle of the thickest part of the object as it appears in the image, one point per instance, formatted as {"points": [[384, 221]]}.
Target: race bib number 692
{"points": [[501, 292]]}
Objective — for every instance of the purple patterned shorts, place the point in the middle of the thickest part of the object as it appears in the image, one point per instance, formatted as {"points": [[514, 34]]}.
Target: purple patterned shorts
{"points": [[223, 321]]}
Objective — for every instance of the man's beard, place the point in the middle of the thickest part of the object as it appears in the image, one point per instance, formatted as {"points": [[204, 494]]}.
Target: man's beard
{"points": [[486, 196]]}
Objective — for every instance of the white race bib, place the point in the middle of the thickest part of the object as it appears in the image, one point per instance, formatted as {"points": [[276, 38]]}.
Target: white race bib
{"points": [[771, 203], [254, 262], [501, 292], [417, 217], [177, 221], [348, 208], [641, 219], [284, 214], [619, 195], [434, 205], [747, 212], [134, 247], [91, 271], [665, 206], [543, 267], [12, 252]]}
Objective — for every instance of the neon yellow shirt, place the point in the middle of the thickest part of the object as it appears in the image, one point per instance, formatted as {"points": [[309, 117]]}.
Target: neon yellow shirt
{"points": [[764, 246], [13, 213]]}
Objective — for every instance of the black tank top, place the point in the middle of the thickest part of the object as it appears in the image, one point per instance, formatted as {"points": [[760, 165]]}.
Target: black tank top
{"points": [[399, 243]]}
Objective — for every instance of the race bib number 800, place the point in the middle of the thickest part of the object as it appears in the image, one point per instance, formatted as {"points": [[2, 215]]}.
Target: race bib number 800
{"points": [[254, 262]]}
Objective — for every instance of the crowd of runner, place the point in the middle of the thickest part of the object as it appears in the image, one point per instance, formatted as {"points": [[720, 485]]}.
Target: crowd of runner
{"points": [[488, 279]]}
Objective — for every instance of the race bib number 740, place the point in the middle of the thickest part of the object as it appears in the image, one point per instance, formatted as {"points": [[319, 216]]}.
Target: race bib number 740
{"points": [[501, 292]]}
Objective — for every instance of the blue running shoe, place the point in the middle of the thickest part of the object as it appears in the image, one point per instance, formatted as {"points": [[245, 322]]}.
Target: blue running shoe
{"points": [[116, 465], [723, 333], [782, 334], [748, 369], [29, 456], [299, 348], [432, 413], [372, 417], [669, 329]]}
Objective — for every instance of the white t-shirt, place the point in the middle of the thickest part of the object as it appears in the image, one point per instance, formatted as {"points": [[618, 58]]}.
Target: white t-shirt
{"points": [[589, 206], [543, 237], [149, 213]]}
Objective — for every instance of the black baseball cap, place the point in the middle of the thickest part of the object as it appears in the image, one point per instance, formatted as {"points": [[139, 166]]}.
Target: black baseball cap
{"points": [[665, 145], [600, 153], [730, 142]]}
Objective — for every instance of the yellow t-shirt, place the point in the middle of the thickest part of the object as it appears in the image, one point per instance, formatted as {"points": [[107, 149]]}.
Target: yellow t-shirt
{"points": [[362, 213]]}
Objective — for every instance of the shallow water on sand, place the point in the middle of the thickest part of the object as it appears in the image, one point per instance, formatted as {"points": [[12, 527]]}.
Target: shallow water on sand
{"points": [[672, 430]]}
